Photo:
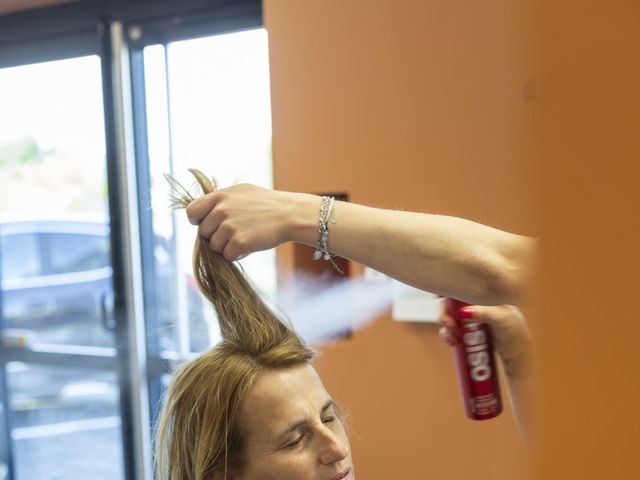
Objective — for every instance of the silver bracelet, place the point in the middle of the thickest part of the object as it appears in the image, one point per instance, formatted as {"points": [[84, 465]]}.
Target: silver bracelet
{"points": [[327, 213]]}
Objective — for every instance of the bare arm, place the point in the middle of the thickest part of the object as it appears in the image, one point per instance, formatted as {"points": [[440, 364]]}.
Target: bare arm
{"points": [[441, 254]]}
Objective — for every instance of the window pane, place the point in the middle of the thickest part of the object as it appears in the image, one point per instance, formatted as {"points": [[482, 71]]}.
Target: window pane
{"points": [[54, 188], [65, 422], [77, 252], [216, 117], [20, 256]]}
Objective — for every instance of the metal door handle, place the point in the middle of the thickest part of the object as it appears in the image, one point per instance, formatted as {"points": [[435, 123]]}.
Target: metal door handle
{"points": [[106, 311]]}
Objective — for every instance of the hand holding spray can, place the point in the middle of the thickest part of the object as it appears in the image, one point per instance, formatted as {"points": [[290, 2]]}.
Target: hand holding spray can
{"points": [[476, 365]]}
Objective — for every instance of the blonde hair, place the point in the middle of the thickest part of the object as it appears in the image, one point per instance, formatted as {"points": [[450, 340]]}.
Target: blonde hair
{"points": [[198, 435]]}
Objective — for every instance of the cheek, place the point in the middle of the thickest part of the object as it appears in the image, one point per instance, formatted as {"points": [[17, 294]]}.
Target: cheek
{"points": [[282, 466]]}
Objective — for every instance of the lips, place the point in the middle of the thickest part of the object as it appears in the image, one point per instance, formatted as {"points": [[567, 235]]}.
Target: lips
{"points": [[342, 474]]}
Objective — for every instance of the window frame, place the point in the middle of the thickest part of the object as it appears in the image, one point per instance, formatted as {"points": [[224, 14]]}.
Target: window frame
{"points": [[83, 28], [76, 28]]}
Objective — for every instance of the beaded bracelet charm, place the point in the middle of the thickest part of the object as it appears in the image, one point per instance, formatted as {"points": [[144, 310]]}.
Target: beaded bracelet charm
{"points": [[327, 213]]}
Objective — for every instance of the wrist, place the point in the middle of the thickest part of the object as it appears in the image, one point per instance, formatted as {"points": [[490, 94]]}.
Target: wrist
{"points": [[518, 365], [301, 224]]}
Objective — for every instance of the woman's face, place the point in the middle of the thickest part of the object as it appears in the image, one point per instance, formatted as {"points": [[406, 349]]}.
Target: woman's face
{"points": [[292, 430]]}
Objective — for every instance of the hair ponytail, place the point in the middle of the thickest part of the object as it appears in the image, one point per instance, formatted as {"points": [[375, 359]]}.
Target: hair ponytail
{"points": [[197, 437]]}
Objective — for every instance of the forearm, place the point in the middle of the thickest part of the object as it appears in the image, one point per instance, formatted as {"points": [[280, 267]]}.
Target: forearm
{"points": [[445, 255], [520, 394], [515, 347]]}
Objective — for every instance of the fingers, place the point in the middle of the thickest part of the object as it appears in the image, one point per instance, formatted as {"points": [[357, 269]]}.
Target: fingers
{"points": [[229, 244], [499, 317], [447, 321], [234, 251], [200, 207], [211, 223], [511, 338], [211, 213], [493, 315], [448, 336], [448, 331], [218, 240]]}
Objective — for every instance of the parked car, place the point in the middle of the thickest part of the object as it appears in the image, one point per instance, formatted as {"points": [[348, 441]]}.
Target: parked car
{"points": [[57, 286], [56, 275], [57, 282]]}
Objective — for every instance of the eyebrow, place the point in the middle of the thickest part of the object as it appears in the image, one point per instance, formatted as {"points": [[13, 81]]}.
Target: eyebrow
{"points": [[295, 426]]}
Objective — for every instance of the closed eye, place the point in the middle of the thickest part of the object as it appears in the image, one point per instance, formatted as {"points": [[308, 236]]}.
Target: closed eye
{"points": [[327, 416], [296, 442]]}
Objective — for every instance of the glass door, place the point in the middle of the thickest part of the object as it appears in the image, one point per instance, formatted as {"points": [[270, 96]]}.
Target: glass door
{"points": [[60, 388], [207, 106]]}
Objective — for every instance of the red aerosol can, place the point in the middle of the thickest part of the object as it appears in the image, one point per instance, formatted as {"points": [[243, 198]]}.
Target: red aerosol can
{"points": [[476, 365]]}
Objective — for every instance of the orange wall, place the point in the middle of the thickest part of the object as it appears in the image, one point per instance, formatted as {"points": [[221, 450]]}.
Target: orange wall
{"points": [[588, 195], [418, 105]]}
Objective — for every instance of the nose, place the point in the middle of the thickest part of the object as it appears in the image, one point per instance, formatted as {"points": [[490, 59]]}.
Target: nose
{"points": [[334, 447]]}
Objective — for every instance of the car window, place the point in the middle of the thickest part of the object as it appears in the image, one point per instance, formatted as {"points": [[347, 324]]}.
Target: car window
{"points": [[20, 256], [76, 252]]}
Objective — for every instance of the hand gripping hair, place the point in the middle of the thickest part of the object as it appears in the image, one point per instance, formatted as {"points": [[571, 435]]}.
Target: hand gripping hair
{"points": [[197, 436]]}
